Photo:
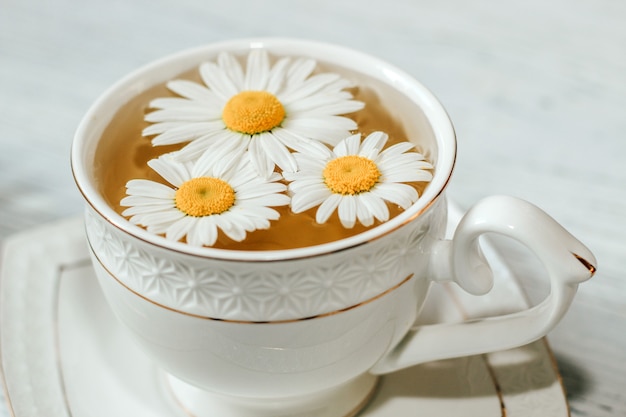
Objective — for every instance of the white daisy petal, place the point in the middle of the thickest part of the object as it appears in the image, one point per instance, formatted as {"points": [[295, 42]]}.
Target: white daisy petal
{"points": [[304, 201], [337, 85], [299, 70], [397, 149], [401, 194], [163, 217], [158, 228], [188, 114], [363, 214], [244, 175], [301, 144], [230, 228], [231, 67], [244, 220], [347, 211], [217, 160], [407, 158], [246, 191], [373, 144], [348, 146], [408, 176], [328, 129], [257, 71], [148, 188], [217, 81], [211, 231], [326, 209], [221, 138], [307, 88], [313, 163], [147, 206], [412, 159], [191, 90], [277, 152], [180, 228], [158, 128], [173, 172], [323, 105], [186, 132], [375, 205], [171, 102], [195, 234], [259, 212], [260, 160], [272, 199], [307, 185], [261, 224], [276, 77]]}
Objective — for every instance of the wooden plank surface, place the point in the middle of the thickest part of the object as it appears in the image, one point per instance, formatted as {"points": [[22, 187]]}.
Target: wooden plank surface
{"points": [[537, 92]]}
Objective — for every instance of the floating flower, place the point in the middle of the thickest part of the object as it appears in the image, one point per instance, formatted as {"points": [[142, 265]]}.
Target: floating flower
{"points": [[356, 179], [218, 191], [269, 108]]}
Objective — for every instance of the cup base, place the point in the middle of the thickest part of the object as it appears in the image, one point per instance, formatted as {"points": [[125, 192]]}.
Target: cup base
{"points": [[343, 401]]}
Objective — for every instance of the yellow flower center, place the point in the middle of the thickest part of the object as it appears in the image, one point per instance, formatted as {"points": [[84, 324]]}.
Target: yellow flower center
{"points": [[253, 112], [204, 196], [351, 174]]}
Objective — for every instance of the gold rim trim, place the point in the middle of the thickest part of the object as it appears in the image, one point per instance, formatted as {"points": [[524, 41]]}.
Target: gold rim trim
{"points": [[199, 316], [592, 269]]}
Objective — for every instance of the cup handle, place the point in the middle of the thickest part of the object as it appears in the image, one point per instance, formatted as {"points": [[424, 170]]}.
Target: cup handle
{"points": [[568, 262]]}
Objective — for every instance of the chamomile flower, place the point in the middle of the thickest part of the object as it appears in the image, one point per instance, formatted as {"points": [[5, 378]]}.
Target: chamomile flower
{"points": [[216, 192], [356, 179], [269, 108]]}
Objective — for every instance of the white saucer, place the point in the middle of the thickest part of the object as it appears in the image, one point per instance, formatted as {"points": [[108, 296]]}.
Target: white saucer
{"points": [[63, 353]]}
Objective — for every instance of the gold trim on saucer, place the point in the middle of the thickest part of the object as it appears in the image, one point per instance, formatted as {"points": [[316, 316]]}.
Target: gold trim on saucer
{"points": [[496, 384], [492, 374], [555, 368], [5, 389], [366, 400], [55, 323]]}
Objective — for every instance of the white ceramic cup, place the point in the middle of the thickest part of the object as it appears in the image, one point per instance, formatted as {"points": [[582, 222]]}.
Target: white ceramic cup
{"points": [[304, 332]]}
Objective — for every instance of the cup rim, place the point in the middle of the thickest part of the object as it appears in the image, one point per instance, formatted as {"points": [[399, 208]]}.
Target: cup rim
{"points": [[436, 115]]}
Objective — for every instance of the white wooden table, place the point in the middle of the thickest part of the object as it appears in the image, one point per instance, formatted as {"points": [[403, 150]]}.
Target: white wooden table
{"points": [[536, 89]]}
